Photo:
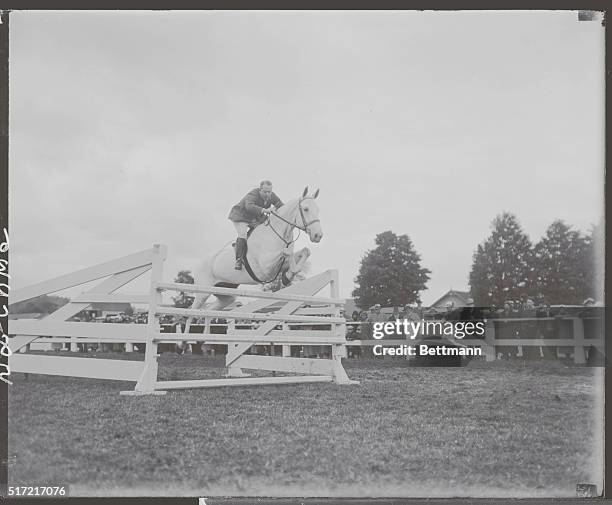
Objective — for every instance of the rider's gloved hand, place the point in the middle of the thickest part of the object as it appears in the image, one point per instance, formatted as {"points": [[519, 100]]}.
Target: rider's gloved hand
{"points": [[266, 211]]}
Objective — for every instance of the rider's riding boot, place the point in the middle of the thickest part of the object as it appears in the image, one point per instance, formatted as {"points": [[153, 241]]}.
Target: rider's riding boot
{"points": [[240, 250]]}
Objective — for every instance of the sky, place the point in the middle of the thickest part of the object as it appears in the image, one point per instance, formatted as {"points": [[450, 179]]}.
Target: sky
{"points": [[134, 128]]}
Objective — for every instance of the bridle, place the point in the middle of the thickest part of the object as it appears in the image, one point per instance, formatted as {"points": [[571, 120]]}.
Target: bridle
{"points": [[304, 223], [293, 223]]}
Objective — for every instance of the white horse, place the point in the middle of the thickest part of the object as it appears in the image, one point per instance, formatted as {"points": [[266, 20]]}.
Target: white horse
{"points": [[270, 252]]}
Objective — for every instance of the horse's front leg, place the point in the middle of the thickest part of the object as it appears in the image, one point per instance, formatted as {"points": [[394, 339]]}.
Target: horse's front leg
{"points": [[297, 262]]}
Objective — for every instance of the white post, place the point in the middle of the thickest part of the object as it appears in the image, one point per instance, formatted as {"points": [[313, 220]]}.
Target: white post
{"points": [[148, 379], [129, 347], [338, 330], [579, 354], [286, 348], [489, 347]]}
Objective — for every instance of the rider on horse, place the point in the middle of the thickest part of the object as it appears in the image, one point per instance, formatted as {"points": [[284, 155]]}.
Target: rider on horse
{"points": [[251, 211]]}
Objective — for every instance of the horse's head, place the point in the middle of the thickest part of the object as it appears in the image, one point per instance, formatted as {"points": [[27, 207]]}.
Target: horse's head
{"points": [[309, 214]]}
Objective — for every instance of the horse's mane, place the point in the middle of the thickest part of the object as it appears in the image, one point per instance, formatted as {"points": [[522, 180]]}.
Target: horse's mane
{"points": [[288, 207], [284, 211]]}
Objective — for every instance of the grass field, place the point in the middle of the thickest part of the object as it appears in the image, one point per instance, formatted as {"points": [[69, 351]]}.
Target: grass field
{"points": [[489, 429]]}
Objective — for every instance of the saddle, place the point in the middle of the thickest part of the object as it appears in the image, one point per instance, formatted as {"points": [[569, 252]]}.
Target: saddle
{"points": [[247, 265]]}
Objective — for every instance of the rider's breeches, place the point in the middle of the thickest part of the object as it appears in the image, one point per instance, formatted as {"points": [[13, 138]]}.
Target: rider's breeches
{"points": [[241, 229]]}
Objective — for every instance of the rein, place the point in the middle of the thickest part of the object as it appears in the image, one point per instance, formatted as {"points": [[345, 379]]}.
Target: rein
{"points": [[292, 225], [286, 280]]}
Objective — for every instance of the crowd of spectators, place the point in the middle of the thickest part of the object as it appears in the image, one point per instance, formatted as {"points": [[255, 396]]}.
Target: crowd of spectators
{"points": [[526, 319], [518, 319], [121, 317]]}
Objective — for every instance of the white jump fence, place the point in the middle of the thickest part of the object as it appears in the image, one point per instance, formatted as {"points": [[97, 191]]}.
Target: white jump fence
{"points": [[283, 318]]}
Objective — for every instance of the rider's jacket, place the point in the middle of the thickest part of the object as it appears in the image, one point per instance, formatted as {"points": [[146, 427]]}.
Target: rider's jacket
{"points": [[249, 209]]}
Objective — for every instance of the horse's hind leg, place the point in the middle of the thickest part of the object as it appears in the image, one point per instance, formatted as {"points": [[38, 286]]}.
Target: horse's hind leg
{"points": [[221, 302], [198, 302]]}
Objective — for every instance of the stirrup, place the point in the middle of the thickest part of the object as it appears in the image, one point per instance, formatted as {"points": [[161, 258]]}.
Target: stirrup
{"points": [[238, 264]]}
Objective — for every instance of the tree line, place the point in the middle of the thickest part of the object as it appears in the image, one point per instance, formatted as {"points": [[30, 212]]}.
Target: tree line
{"points": [[561, 268]]}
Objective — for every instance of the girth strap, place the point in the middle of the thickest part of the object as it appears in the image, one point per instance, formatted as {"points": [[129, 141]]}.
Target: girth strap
{"points": [[249, 270]]}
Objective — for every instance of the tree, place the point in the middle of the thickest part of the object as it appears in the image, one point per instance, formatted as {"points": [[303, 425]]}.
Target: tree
{"points": [[391, 273], [502, 265], [563, 262], [182, 300]]}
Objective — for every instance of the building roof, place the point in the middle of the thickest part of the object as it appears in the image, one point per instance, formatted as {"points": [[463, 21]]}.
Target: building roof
{"points": [[462, 295]]}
